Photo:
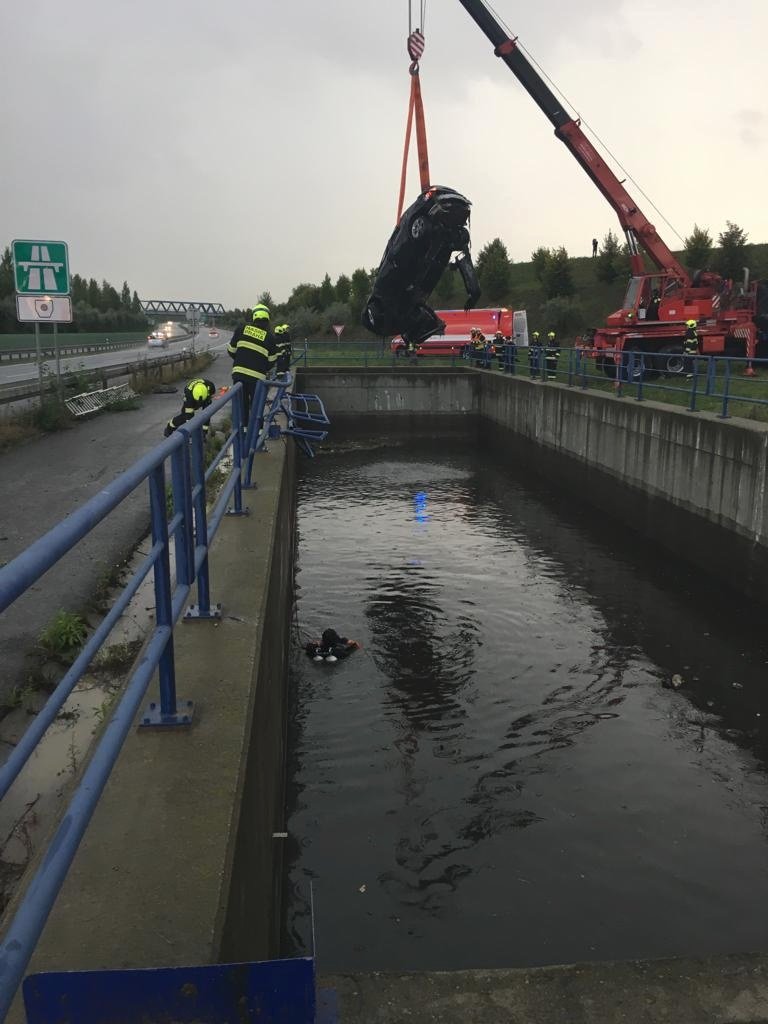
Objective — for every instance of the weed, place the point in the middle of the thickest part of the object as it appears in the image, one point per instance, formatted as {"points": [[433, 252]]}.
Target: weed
{"points": [[123, 405], [19, 697], [118, 657], [51, 415], [101, 712], [64, 634]]}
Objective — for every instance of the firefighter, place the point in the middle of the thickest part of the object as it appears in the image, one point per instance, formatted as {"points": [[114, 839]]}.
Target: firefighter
{"points": [[252, 349], [499, 342], [534, 355], [198, 394], [690, 346], [283, 347], [552, 356], [477, 353], [652, 312]]}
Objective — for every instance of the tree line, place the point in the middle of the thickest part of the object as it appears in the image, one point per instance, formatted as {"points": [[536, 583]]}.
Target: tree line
{"points": [[95, 307], [560, 292]]}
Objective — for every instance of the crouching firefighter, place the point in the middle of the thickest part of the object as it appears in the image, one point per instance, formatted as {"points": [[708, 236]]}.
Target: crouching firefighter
{"points": [[198, 394]]}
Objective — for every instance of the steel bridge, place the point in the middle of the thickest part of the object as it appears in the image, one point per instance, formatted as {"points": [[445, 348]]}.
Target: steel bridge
{"points": [[174, 307]]}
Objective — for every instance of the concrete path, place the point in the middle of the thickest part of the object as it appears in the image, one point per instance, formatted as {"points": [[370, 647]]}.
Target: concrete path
{"points": [[45, 480], [716, 990]]}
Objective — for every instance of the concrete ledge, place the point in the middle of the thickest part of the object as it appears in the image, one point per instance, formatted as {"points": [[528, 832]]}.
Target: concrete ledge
{"points": [[180, 850], [717, 990]]}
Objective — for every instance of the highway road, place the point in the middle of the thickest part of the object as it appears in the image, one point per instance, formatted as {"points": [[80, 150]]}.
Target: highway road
{"points": [[22, 373]]}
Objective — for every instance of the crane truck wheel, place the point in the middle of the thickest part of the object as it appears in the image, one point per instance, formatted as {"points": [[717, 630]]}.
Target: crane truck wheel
{"points": [[607, 365], [670, 361]]}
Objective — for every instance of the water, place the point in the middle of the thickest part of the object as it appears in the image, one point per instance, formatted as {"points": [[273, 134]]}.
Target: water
{"points": [[503, 775]]}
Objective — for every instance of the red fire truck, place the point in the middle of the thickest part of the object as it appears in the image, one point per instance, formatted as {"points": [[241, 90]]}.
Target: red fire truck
{"points": [[458, 325]]}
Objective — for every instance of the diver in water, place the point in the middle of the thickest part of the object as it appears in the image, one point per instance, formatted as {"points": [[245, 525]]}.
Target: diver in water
{"points": [[431, 234], [331, 647]]}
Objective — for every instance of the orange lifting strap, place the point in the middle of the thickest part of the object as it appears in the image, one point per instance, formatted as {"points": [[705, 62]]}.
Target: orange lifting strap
{"points": [[415, 50]]}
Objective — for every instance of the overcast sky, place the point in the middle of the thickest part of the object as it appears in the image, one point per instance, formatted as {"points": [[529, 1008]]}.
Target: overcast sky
{"points": [[211, 151]]}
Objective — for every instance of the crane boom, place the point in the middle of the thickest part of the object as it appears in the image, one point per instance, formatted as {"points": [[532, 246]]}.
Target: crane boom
{"points": [[640, 233]]}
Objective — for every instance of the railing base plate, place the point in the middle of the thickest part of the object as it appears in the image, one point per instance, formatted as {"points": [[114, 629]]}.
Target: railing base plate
{"points": [[194, 613], [153, 718]]}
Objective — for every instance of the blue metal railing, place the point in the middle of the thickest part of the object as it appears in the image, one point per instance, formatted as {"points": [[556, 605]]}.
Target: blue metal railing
{"points": [[192, 535]]}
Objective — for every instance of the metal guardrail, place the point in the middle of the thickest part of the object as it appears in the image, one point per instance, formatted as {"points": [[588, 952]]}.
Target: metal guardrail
{"points": [[701, 382], [15, 392], [192, 533], [74, 349]]}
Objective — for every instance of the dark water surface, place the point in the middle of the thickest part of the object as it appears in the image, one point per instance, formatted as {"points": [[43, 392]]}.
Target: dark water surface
{"points": [[501, 776]]}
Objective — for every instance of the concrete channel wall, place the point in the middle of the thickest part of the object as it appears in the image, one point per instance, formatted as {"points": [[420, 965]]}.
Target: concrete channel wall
{"points": [[690, 482], [181, 863]]}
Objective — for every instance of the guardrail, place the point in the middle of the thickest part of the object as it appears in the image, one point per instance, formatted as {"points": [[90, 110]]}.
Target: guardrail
{"points": [[16, 392], [716, 384], [77, 348], [188, 525], [192, 533]]}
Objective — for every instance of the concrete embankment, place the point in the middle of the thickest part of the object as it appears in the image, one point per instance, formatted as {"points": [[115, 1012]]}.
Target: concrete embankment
{"points": [[690, 482], [181, 864]]}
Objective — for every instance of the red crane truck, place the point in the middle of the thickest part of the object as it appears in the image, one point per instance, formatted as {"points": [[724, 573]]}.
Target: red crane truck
{"points": [[657, 304]]}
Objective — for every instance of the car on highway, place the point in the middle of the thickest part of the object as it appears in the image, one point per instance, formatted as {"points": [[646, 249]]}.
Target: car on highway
{"points": [[213, 333], [157, 340]]}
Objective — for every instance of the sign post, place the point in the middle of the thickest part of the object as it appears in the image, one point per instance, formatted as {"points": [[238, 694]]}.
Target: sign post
{"points": [[41, 277], [338, 328]]}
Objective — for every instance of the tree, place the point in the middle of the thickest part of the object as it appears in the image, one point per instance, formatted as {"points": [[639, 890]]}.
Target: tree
{"points": [[327, 295], [136, 304], [343, 288], [109, 297], [337, 313], [493, 271], [265, 299], [608, 263], [7, 284], [563, 315], [125, 296], [557, 278], [540, 259], [733, 250], [305, 323], [361, 289], [94, 295], [79, 288], [698, 248], [304, 295]]}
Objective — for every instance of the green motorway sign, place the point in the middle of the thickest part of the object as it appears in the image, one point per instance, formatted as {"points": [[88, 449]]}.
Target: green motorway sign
{"points": [[40, 268]]}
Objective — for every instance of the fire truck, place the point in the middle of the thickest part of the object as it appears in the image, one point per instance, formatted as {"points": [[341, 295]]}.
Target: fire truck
{"points": [[657, 304], [458, 324]]}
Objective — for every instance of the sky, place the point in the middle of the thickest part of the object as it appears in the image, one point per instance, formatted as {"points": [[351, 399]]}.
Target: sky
{"points": [[212, 151]]}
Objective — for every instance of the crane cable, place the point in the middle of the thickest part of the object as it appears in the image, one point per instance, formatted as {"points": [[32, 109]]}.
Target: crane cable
{"points": [[591, 131], [415, 47]]}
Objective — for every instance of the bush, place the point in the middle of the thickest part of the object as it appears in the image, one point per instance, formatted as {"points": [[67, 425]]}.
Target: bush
{"points": [[64, 633]]}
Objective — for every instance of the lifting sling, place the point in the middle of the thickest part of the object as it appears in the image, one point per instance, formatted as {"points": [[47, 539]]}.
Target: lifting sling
{"points": [[415, 106]]}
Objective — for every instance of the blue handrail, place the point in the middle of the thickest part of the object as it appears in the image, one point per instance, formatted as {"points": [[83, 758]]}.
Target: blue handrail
{"points": [[192, 536]]}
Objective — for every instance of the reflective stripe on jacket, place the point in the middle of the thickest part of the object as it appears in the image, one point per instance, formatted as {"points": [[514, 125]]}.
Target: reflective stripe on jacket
{"points": [[252, 349]]}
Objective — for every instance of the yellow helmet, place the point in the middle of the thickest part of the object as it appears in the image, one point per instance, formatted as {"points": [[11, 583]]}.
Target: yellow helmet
{"points": [[281, 328], [199, 390], [260, 312], [690, 323], [551, 334]]}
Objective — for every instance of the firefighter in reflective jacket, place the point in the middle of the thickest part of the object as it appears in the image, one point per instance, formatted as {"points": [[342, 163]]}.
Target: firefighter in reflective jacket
{"points": [[283, 347], [252, 349], [198, 394], [690, 346], [553, 354], [534, 355]]}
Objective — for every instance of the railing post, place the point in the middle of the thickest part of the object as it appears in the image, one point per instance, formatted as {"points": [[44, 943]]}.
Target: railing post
{"points": [[182, 503], [694, 384], [571, 355], [237, 452], [619, 370], [203, 609], [711, 375], [640, 378], [252, 436], [726, 389], [167, 714], [583, 361]]}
